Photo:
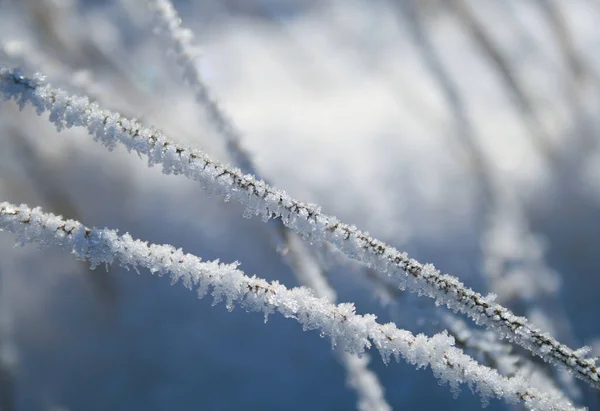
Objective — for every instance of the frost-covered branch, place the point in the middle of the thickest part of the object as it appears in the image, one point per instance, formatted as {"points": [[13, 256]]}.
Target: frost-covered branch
{"points": [[515, 267], [110, 128], [304, 265], [494, 192], [168, 21], [25, 54], [352, 332]]}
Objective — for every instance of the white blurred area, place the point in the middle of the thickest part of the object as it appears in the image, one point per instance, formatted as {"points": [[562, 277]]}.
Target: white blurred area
{"points": [[465, 132]]}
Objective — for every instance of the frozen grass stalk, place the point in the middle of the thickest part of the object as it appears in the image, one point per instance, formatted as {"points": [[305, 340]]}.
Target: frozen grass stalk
{"points": [[351, 332], [110, 128], [306, 268]]}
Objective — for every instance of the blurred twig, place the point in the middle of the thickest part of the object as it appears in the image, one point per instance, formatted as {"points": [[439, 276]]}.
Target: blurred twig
{"points": [[7, 383], [7, 378], [303, 263], [580, 77], [525, 106], [578, 70], [492, 188], [409, 13]]}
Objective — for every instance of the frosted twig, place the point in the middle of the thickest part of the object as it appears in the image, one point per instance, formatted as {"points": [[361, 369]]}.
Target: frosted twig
{"points": [[498, 356], [353, 332], [181, 39], [493, 191], [26, 55], [482, 343], [305, 267], [515, 268], [110, 128]]}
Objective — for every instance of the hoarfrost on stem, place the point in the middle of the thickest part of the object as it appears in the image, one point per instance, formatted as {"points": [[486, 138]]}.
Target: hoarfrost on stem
{"points": [[110, 128], [354, 333], [304, 265]]}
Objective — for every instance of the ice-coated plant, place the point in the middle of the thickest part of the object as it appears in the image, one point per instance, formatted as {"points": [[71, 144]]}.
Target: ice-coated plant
{"points": [[353, 333], [519, 345]]}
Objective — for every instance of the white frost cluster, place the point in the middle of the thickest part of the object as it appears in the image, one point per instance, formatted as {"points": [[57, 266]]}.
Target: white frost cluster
{"points": [[307, 220], [352, 332]]}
